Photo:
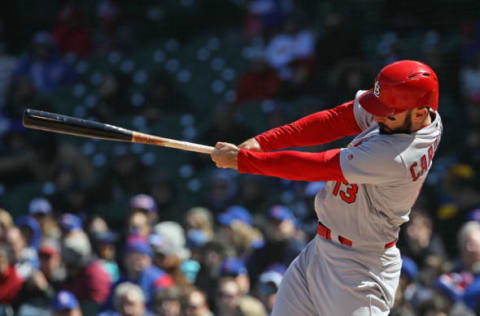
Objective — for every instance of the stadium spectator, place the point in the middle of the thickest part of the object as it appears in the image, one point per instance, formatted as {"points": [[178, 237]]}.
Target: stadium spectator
{"points": [[6, 222], [129, 300], [213, 254], [96, 224], [268, 285], [227, 298], [145, 203], [112, 33], [113, 96], [407, 289], [65, 304], [23, 257], [260, 82], [168, 302], [43, 67], [235, 268], [10, 281], [460, 196], [266, 16], [283, 241], [221, 191], [422, 244], [51, 265], [86, 278], [41, 210], [138, 224], [41, 285], [7, 65], [140, 270], [200, 218], [462, 284], [105, 249], [168, 243], [71, 32], [71, 225], [196, 304]]}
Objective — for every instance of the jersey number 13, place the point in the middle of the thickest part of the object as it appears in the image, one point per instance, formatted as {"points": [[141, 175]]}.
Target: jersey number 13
{"points": [[348, 192]]}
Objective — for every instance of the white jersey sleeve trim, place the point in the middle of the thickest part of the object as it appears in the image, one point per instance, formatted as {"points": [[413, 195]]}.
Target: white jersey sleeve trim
{"points": [[363, 118]]}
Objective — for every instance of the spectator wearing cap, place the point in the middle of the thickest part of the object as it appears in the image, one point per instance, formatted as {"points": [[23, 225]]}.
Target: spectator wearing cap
{"points": [[268, 285], [41, 210], [30, 230], [235, 213], [236, 229], [43, 66], [51, 265], [70, 225], [65, 304], [235, 268], [283, 242], [146, 204], [10, 281], [196, 304], [106, 252], [86, 277], [140, 270], [40, 287], [168, 243], [24, 258], [39, 206]]}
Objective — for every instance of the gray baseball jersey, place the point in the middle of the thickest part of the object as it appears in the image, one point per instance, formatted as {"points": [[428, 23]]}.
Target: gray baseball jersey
{"points": [[384, 176]]}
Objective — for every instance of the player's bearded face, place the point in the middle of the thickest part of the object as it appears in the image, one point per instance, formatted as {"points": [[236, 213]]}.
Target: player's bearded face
{"points": [[398, 124]]}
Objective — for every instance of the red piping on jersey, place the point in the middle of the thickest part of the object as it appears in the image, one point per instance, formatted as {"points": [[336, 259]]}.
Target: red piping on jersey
{"points": [[292, 165], [318, 128]]}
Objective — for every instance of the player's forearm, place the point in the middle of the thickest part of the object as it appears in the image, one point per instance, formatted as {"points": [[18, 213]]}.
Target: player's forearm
{"points": [[318, 128], [292, 165]]}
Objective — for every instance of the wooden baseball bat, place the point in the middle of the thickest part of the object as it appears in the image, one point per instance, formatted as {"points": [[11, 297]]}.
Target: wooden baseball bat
{"points": [[63, 124]]}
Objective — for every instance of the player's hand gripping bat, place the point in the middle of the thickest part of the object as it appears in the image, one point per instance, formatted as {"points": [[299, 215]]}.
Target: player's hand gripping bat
{"points": [[57, 123]]}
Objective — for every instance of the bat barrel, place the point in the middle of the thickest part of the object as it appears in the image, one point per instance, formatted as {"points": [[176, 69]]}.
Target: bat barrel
{"points": [[64, 124]]}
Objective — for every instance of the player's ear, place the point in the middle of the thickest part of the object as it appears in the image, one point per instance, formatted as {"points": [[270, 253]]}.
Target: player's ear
{"points": [[420, 114]]}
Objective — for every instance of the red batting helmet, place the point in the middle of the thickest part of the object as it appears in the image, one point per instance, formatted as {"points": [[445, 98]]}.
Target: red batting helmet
{"points": [[401, 86]]}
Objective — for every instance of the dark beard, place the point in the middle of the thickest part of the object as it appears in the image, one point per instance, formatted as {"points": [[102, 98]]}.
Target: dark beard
{"points": [[404, 129]]}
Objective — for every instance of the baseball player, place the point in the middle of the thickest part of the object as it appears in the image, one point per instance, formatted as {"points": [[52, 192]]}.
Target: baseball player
{"points": [[352, 266]]}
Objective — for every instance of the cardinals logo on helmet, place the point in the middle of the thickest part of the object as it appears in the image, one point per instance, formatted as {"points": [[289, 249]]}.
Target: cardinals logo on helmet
{"points": [[376, 89]]}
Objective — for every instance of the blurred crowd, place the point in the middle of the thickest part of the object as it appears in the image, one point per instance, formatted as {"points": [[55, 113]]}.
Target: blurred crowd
{"points": [[206, 265], [116, 234]]}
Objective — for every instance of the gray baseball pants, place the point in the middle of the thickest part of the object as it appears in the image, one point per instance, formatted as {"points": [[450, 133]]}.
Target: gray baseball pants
{"points": [[331, 279]]}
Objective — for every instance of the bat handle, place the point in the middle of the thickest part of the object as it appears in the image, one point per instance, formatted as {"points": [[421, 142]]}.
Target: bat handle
{"points": [[138, 137]]}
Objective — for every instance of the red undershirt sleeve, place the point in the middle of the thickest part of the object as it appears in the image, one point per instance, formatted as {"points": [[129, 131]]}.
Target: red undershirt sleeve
{"points": [[318, 128], [292, 165]]}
